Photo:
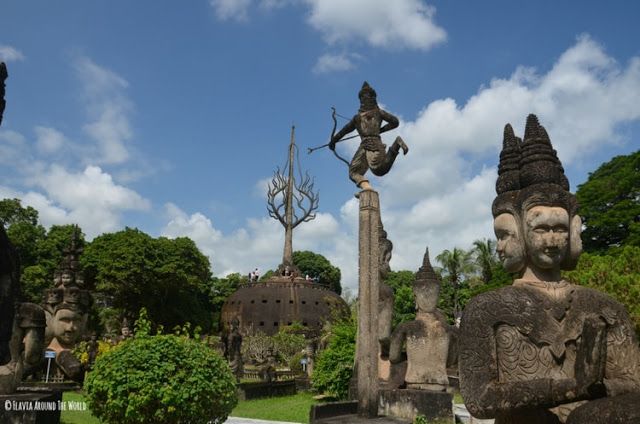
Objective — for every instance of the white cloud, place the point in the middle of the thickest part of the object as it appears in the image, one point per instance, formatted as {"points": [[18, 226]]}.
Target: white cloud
{"points": [[10, 54], [440, 194], [231, 9], [108, 109], [380, 23], [89, 198], [333, 63], [49, 140]]}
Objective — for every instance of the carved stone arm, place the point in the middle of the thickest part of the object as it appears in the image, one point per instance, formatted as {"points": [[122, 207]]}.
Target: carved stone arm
{"points": [[392, 121], [485, 396], [397, 340], [349, 127]]}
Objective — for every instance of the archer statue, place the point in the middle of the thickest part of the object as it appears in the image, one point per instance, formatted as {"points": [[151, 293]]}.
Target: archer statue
{"points": [[372, 153]]}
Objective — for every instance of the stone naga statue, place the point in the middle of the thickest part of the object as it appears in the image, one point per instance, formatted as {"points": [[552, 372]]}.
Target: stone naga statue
{"points": [[542, 350], [371, 153], [426, 338]]}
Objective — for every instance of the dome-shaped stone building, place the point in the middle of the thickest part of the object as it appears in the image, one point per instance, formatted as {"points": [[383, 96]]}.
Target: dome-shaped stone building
{"points": [[280, 301]]}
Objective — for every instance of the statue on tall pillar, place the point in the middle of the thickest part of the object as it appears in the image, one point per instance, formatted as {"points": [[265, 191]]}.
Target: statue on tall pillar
{"points": [[372, 153], [543, 350]]}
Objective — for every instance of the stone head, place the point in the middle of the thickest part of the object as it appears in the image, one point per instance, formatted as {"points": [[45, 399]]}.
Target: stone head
{"points": [[426, 287], [53, 296], [368, 97], [535, 217], [66, 325], [426, 294], [551, 227]]}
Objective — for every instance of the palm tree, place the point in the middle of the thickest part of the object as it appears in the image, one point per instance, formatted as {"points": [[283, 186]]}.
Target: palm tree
{"points": [[456, 266], [484, 253]]}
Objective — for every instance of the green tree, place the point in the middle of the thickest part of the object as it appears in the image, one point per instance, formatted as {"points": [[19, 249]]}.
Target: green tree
{"points": [[23, 229], [457, 266], [170, 277], [610, 204], [334, 365], [317, 265], [166, 379], [403, 300], [616, 274], [221, 289], [484, 255]]}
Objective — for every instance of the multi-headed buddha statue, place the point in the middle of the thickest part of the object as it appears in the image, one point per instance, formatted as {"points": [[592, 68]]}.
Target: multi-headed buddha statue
{"points": [[544, 350]]}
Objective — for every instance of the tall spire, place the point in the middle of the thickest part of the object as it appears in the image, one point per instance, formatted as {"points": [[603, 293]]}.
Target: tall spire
{"points": [[539, 162], [296, 198]]}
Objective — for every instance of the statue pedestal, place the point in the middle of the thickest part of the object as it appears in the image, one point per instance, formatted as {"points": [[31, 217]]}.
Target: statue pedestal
{"points": [[367, 340], [407, 404], [31, 408]]}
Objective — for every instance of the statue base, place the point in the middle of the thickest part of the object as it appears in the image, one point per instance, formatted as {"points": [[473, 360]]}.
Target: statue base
{"points": [[31, 408], [407, 404]]}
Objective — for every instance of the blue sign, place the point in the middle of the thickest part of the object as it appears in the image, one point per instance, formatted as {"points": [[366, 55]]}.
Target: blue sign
{"points": [[49, 354]]}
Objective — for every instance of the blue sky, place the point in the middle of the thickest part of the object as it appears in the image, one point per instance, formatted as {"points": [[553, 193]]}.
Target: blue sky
{"points": [[172, 116]]}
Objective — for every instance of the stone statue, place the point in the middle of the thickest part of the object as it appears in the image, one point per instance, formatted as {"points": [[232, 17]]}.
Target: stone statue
{"points": [[233, 349], [92, 349], [371, 154], [66, 307], [385, 294], [426, 338], [21, 324], [537, 351]]}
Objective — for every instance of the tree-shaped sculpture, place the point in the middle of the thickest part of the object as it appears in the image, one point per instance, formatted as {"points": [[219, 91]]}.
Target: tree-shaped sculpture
{"points": [[291, 202]]}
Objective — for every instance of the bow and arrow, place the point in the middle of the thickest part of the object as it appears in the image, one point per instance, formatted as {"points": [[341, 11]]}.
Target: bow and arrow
{"points": [[334, 116]]}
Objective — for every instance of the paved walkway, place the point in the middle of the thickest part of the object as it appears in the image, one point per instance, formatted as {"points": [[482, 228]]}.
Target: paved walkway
{"points": [[237, 420]]}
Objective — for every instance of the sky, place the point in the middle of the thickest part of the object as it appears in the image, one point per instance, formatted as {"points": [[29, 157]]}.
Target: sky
{"points": [[172, 117]]}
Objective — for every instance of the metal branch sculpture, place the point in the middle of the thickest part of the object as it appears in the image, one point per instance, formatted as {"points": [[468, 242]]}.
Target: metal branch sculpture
{"points": [[291, 202]]}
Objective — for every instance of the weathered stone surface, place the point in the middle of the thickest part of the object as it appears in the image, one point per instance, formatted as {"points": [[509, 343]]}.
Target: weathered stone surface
{"points": [[368, 296], [539, 349], [232, 349], [426, 338], [326, 410], [371, 154], [66, 307], [407, 404], [269, 305]]}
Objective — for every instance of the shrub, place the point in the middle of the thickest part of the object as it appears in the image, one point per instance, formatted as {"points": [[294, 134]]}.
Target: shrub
{"points": [[161, 379], [334, 366]]}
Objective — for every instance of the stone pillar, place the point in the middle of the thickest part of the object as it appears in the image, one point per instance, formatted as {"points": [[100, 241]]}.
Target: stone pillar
{"points": [[367, 341]]}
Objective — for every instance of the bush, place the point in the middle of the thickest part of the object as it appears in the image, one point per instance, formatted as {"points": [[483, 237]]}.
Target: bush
{"points": [[162, 378], [334, 366]]}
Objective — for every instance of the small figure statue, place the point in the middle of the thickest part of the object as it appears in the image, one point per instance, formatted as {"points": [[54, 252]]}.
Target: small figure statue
{"points": [[544, 350], [371, 154], [233, 349], [125, 331], [426, 338], [92, 350]]}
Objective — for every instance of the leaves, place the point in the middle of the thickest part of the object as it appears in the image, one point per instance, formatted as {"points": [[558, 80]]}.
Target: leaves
{"points": [[316, 265], [610, 205], [163, 378]]}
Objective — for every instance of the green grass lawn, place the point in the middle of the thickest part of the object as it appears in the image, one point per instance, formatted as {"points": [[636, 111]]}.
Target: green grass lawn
{"points": [[286, 408], [76, 417]]}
